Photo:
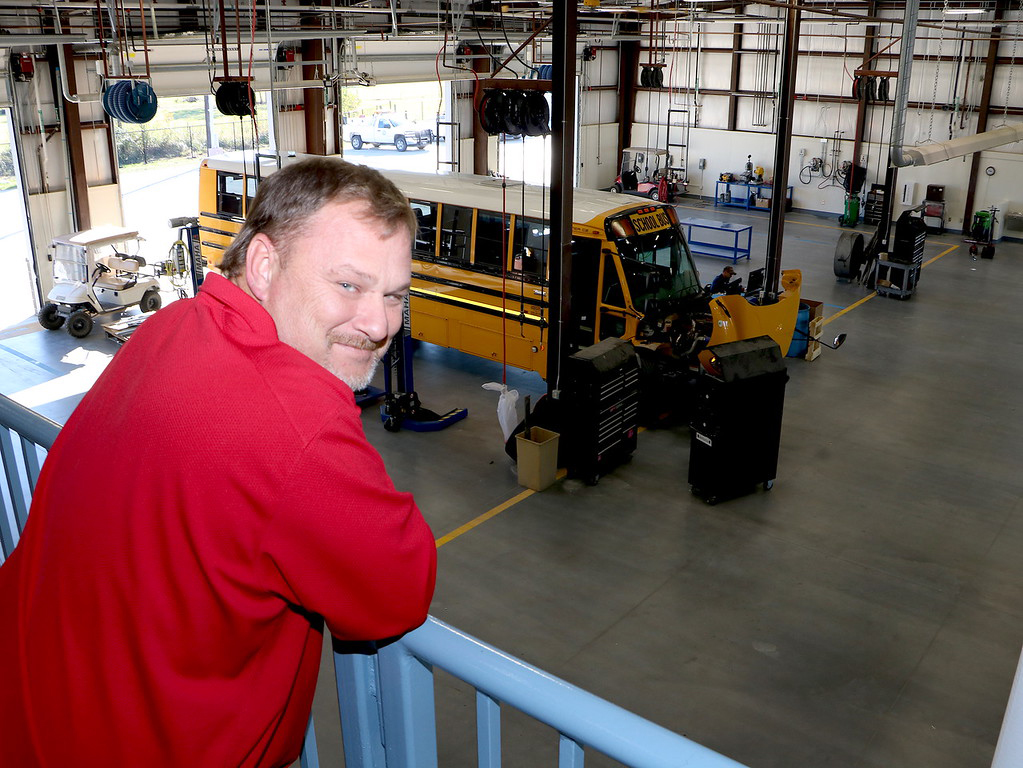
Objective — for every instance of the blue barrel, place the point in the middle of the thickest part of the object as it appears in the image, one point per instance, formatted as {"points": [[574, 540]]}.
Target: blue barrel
{"points": [[800, 338]]}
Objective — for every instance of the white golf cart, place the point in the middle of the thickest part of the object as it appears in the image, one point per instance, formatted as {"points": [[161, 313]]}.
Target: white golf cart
{"points": [[96, 272]]}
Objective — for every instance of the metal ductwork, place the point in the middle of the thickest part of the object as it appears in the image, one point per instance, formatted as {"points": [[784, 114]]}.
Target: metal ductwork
{"points": [[965, 145], [898, 156], [938, 151]]}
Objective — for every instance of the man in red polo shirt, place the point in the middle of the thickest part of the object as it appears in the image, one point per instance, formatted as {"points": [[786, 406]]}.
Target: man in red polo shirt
{"points": [[213, 501]]}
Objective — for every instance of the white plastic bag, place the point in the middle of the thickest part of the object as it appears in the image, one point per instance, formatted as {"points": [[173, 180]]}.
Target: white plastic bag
{"points": [[507, 415]]}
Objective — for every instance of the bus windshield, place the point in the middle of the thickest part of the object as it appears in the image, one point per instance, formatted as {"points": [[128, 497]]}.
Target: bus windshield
{"points": [[655, 256]]}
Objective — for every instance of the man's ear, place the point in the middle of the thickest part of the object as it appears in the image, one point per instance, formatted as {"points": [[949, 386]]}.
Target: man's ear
{"points": [[260, 266]]}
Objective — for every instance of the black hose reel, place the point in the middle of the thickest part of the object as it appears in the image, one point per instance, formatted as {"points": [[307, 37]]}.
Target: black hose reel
{"points": [[652, 77], [515, 112], [236, 98], [130, 101]]}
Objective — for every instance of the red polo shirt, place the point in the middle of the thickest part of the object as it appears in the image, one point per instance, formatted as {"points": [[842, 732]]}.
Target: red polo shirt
{"points": [[209, 500]]}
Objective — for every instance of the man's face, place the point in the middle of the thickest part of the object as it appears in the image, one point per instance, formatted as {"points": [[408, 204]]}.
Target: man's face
{"points": [[339, 293]]}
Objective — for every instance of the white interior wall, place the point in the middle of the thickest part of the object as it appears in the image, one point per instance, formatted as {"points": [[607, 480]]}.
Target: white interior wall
{"points": [[598, 152]]}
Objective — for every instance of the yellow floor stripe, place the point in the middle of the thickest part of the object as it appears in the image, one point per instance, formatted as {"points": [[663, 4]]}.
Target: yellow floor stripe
{"points": [[488, 514], [865, 299], [943, 253], [850, 308]]}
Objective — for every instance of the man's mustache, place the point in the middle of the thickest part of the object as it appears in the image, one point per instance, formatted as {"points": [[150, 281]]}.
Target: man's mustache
{"points": [[359, 342]]}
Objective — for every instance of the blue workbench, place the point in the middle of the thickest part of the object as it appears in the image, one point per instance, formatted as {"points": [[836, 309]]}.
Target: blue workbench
{"points": [[721, 250]]}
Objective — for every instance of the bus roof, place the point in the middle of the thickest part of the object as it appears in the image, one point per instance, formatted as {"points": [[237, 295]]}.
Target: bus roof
{"points": [[466, 189]]}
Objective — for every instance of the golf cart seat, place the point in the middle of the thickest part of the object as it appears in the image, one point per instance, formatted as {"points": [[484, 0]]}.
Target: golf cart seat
{"points": [[123, 272]]}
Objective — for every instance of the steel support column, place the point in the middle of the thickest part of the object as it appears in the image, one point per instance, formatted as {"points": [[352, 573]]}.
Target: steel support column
{"points": [[782, 145], [733, 78], [71, 125], [869, 43], [480, 138], [312, 99], [984, 110], [559, 294], [628, 65]]}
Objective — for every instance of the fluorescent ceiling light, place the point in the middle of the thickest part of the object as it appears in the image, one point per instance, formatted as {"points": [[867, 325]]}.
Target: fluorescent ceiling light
{"points": [[962, 11]]}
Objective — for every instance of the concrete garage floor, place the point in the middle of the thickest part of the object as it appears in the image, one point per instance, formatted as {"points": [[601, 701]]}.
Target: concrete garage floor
{"points": [[868, 611]]}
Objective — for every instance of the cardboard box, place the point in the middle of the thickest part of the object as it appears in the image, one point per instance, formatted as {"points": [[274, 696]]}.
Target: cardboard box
{"points": [[537, 458], [815, 327], [763, 202]]}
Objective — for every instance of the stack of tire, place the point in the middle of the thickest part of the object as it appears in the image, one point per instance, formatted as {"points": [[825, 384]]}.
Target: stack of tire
{"points": [[130, 101], [515, 112]]}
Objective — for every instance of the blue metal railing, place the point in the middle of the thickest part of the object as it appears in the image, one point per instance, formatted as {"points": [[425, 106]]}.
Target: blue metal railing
{"points": [[25, 437], [391, 691]]}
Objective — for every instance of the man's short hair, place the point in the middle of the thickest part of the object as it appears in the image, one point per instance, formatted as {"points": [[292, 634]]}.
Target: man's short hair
{"points": [[288, 198]]}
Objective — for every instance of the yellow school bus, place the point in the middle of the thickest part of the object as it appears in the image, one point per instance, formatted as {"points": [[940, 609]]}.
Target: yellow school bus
{"points": [[480, 268]]}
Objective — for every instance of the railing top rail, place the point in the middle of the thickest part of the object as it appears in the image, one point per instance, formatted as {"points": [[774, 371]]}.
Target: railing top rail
{"points": [[27, 423], [580, 715]]}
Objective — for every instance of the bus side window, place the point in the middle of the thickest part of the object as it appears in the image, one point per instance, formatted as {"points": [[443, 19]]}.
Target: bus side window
{"points": [[426, 237], [230, 189], [490, 229], [529, 247], [455, 232]]}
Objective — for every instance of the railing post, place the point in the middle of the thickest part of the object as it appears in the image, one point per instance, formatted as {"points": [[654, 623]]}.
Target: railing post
{"points": [[358, 699], [410, 724], [488, 731], [310, 757], [570, 754], [16, 488]]}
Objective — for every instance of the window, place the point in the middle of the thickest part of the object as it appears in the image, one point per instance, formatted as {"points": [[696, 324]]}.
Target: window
{"points": [[455, 231], [230, 188], [529, 247], [426, 236], [490, 240]]}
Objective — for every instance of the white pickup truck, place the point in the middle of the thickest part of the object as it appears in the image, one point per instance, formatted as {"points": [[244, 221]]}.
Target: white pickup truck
{"points": [[388, 129]]}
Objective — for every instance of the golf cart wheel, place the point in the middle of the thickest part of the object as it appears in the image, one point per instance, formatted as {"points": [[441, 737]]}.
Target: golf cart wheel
{"points": [[617, 188], [79, 324], [654, 194], [150, 301], [49, 317], [356, 142], [400, 144]]}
